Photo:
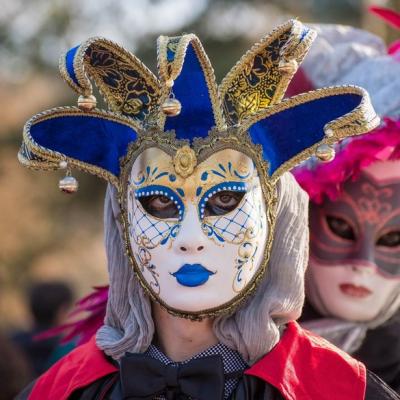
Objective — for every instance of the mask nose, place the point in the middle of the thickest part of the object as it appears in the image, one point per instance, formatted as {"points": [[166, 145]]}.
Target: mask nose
{"points": [[366, 248], [186, 248], [191, 239], [365, 269]]}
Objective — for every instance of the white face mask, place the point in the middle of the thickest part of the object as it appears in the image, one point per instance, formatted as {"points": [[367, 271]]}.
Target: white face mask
{"points": [[355, 247], [198, 241], [352, 292]]}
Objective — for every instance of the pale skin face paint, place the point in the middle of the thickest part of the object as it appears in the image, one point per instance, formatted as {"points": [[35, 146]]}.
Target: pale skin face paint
{"points": [[199, 240], [355, 245]]}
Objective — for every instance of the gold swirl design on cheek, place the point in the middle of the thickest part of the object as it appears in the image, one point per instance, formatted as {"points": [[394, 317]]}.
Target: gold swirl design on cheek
{"points": [[144, 259], [245, 250], [144, 241], [245, 260]]}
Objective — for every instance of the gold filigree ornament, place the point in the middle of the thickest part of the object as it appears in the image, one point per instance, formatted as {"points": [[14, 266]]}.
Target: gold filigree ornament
{"points": [[185, 161]]}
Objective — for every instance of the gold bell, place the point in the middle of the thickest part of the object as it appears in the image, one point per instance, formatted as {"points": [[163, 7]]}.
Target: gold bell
{"points": [[171, 107], [169, 83], [87, 103], [288, 67], [325, 153], [68, 184]]}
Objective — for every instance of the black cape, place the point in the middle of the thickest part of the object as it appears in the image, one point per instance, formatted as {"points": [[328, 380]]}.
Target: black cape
{"points": [[249, 388]]}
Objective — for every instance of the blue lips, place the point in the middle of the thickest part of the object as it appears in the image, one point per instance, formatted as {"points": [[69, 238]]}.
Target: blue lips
{"points": [[192, 275]]}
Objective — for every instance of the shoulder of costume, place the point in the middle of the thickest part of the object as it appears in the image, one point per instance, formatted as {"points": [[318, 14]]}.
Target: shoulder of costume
{"points": [[304, 366], [78, 369]]}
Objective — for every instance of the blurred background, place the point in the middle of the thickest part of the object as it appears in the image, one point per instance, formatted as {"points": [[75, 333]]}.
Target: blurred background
{"points": [[46, 235]]}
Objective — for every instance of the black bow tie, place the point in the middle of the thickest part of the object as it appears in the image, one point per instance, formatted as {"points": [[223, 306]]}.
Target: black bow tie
{"points": [[143, 377]]}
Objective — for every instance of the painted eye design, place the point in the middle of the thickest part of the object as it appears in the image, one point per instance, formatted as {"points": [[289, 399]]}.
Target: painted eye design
{"points": [[159, 206], [390, 239], [222, 203], [340, 227], [160, 201]]}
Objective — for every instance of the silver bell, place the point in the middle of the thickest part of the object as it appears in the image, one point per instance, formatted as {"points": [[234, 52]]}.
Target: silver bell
{"points": [[87, 103], [325, 153], [68, 184]]}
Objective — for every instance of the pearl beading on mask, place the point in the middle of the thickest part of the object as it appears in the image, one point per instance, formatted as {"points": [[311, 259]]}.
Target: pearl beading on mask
{"points": [[157, 190], [221, 187]]}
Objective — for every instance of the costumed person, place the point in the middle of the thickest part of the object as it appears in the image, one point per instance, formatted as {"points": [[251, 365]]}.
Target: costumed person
{"points": [[353, 278], [205, 230]]}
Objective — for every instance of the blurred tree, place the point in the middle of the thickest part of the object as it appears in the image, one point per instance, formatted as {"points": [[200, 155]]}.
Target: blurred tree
{"points": [[33, 34]]}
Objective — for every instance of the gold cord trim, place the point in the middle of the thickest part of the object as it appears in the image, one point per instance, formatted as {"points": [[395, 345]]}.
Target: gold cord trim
{"points": [[203, 148], [52, 158]]}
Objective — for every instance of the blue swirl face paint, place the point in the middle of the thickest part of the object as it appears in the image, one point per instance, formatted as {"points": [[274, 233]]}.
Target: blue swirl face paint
{"points": [[192, 275]]}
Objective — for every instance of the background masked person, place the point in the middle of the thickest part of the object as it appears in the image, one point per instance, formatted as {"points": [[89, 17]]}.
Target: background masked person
{"points": [[206, 232], [353, 278]]}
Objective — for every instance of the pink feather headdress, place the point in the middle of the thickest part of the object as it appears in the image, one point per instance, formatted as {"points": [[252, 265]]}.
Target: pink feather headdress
{"points": [[84, 321], [392, 18], [320, 179]]}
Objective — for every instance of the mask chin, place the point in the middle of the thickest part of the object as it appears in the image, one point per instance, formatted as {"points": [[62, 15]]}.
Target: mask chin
{"points": [[199, 243], [358, 294]]}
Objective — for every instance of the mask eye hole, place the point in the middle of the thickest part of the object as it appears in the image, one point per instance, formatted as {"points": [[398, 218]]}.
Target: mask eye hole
{"points": [[222, 203], [390, 239], [159, 206], [340, 227]]}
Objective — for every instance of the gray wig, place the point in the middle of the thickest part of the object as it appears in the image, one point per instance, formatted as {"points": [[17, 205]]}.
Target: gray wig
{"points": [[255, 327]]}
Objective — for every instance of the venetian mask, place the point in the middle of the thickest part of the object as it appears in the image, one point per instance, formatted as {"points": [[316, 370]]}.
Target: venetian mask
{"points": [[195, 164], [198, 241], [355, 245]]}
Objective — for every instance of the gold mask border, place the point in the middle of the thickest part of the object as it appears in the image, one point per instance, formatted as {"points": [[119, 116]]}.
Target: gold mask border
{"points": [[204, 148]]}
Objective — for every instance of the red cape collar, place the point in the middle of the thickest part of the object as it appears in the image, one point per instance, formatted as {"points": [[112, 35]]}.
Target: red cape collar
{"points": [[78, 369], [302, 366]]}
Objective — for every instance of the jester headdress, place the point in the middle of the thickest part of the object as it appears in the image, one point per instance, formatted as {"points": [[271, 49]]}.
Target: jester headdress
{"points": [[148, 150]]}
